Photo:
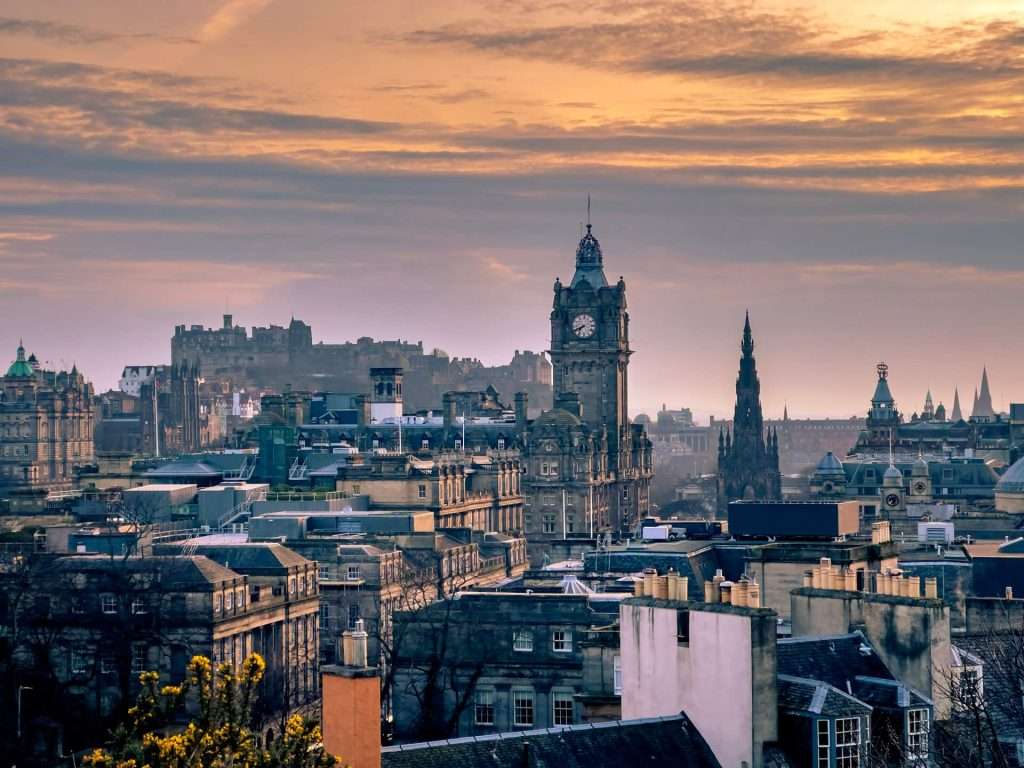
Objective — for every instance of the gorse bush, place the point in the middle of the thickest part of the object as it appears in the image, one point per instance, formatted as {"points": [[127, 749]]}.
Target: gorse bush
{"points": [[217, 735]]}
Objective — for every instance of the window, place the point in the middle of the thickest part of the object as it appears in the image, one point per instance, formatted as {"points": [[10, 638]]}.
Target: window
{"points": [[548, 526], [139, 659], [302, 586], [325, 614], [216, 603], [522, 640], [423, 491], [522, 707], [79, 662], [484, 708], [561, 641], [458, 445], [969, 688], [108, 604], [823, 745], [562, 709], [617, 675], [848, 742], [139, 606], [229, 600], [352, 573], [324, 572], [291, 585], [683, 626], [917, 733], [77, 605], [107, 664], [353, 615]]}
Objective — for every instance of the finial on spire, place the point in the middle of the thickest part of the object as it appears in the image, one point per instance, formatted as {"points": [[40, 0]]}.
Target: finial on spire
{"points": [[748, 338], [588, 212]]}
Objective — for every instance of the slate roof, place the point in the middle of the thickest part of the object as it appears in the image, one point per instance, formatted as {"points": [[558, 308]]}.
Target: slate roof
{"points": [[175, 571], [668, 742], [797, 694], [999, 655], [1012, 480], [253, 556], [837, 660]]}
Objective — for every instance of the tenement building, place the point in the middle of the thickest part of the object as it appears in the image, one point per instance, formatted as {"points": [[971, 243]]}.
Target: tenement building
{"points": [[748, 456], [46, 431]]}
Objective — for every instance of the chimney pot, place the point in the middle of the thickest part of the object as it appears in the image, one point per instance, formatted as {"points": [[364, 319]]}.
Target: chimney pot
{"points": [[1009, 593]]}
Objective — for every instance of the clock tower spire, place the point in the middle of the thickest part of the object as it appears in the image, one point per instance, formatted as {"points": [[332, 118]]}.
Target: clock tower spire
{"points": [[590, 351]]}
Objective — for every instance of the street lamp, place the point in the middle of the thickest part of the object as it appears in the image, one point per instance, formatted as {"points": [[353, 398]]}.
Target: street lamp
{"points": [[20, 689]]}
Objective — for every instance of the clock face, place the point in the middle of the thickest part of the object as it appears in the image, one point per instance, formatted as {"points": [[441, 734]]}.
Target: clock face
{"points": [[892, 500], [583, 326], [919, 487]]}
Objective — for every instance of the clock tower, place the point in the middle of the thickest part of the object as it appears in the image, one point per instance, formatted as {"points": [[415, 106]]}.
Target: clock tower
{"points": [[590, 347]]}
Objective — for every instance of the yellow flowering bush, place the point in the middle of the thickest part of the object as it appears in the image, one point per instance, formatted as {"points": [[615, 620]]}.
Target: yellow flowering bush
{"points": [[218, 736]]}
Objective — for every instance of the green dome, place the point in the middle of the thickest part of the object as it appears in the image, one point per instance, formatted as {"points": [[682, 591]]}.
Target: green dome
{"points": [[20, 366]]}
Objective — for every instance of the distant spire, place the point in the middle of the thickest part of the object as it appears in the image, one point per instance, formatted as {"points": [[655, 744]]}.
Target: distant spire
{"points": [[983, 406], [956, 415], [785, 412], [748, 338]]}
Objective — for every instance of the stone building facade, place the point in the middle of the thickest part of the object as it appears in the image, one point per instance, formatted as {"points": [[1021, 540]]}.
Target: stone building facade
{"points": [[46, 431], [484, 663], [82, 627], [476, 491]]}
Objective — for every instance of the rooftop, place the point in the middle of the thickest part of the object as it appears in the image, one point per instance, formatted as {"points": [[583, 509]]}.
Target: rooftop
{"points": [[669, 742]]}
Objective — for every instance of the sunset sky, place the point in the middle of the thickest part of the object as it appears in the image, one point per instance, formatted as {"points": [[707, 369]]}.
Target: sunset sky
{"points": [[851, 172]]}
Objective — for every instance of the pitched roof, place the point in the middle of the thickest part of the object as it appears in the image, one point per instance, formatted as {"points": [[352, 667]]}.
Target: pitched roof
{"points": [[999, 655], [669, 742], [252, 555], [174, 570], [797, 694], [834, 660]]}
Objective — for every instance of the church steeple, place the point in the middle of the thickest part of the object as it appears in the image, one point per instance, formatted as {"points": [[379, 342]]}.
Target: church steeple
{"points": [[983, 409], [956, 415]]}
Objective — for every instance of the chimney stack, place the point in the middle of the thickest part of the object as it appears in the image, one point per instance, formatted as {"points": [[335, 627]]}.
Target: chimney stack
{"points": [[522, 399], [350, 715], [448, 408]]}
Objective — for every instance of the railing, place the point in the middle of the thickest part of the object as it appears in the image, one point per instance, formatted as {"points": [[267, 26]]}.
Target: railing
{"points": [[298, 470]]}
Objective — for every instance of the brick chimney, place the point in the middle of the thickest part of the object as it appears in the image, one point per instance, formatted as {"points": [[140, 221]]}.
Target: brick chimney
{"points": [[351, 704]]}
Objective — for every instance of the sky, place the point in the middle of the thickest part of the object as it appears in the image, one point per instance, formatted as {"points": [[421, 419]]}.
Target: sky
{"points": [[850, 172]]}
